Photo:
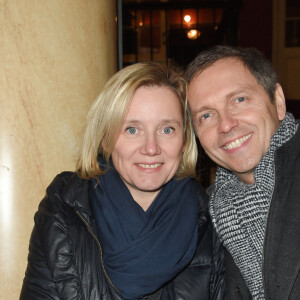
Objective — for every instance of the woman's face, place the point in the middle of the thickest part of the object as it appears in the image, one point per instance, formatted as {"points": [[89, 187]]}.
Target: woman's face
{"points": [[149, 148]]}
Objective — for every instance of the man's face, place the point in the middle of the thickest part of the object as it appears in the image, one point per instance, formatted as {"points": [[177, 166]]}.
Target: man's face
{"points": [[234, 117]]}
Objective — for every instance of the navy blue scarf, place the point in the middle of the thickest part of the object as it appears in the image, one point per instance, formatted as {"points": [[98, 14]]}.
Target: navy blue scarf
{"points": [[144, 250]]}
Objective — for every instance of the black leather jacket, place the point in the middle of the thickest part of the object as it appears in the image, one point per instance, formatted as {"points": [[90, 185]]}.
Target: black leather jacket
{"points": [[65, 255]]}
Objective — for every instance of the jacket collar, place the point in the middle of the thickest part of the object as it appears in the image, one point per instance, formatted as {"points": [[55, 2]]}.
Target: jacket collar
{"points": [[76, 195], [282, 241]]}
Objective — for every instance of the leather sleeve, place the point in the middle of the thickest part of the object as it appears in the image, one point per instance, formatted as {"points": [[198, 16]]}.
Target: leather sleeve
{"points": [[218, 270], [51, 272], [37, 283]]}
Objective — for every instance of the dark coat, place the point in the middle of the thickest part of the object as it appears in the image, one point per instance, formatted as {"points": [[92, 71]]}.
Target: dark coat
{"points": [[281, 252], [65, 255]]}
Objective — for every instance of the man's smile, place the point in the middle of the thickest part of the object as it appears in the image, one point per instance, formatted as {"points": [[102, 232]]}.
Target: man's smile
{"points": [[237, 143]]}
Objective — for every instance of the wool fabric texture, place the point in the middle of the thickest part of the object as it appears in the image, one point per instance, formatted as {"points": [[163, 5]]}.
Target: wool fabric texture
{"points": [[143, 250], [239, 211]]}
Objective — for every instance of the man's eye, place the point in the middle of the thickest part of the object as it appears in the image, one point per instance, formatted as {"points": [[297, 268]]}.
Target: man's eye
{"points": [[167, 130], [205, 116], [131, 130], [240, 99]]}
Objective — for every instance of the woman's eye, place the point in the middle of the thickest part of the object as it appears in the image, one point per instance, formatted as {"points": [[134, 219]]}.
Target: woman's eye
{"points": [[167, 130], [205, 116], [132, 130], [240, 99]]}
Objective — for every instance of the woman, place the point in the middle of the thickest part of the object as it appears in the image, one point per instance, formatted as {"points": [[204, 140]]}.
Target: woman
{"points": [[131, 223]]}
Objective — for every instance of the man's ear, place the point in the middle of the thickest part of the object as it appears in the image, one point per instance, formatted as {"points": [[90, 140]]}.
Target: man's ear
{"points": [[280, 102]]}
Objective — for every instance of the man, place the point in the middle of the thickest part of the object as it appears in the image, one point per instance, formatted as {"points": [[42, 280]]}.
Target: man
{"points": [[240, 119]]}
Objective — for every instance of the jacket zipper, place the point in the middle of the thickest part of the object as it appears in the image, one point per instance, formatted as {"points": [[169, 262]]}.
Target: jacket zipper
{"points": [[100, 248], [264, 244]]}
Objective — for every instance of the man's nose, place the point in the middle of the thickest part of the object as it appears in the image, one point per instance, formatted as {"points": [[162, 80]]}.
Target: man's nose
{"points": [[226, 122], [151, 145]]}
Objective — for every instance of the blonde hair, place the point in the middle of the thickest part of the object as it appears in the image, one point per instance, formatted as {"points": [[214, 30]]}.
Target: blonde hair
{"points": [[108, 112]]}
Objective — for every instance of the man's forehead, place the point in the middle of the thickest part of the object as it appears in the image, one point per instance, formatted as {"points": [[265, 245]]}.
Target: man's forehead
{"points": [[222, 81], [232, 61]]}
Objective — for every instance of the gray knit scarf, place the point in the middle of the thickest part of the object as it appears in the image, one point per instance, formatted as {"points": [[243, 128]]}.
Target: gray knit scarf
{"points": [[239, 211]]}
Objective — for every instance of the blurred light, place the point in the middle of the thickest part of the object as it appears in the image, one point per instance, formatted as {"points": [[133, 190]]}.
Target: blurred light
{"points": [[193, 34], [187, 18]]}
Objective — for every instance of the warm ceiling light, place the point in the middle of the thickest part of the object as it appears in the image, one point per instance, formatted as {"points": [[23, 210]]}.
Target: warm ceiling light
{"points": [[187, 18], [193, 34]]}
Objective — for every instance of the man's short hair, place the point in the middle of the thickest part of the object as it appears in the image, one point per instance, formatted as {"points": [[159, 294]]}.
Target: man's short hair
{"points": [[254, 61]]}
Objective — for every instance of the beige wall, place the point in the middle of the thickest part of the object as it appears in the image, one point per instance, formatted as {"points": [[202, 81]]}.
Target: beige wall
{"points": [[54, 58]]}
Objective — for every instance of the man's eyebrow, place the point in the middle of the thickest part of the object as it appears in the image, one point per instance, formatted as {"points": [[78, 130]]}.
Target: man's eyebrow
{"points": [[200, 109], [235, 92], [227, 97]]}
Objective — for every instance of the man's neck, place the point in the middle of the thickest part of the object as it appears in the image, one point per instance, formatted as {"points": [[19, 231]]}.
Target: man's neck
{"points": [[247, 177]]}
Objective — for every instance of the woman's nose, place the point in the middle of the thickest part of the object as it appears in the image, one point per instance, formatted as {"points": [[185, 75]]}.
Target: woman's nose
{"points": [[151, 145]]}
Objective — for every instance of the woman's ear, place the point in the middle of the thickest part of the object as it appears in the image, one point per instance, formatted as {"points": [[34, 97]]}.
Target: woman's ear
{"points": [[280, 102]]}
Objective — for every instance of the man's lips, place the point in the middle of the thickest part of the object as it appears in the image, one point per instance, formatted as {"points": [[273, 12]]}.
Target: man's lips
{"points": [[237, 143]]}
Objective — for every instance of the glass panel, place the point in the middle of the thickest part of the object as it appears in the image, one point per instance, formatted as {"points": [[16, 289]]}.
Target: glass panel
{"points": [[174, 18], [292, 33], [129, 32], [205, 16], [292, 23], [292, 8], [144, 41], [149, 34], [218, 16]]}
